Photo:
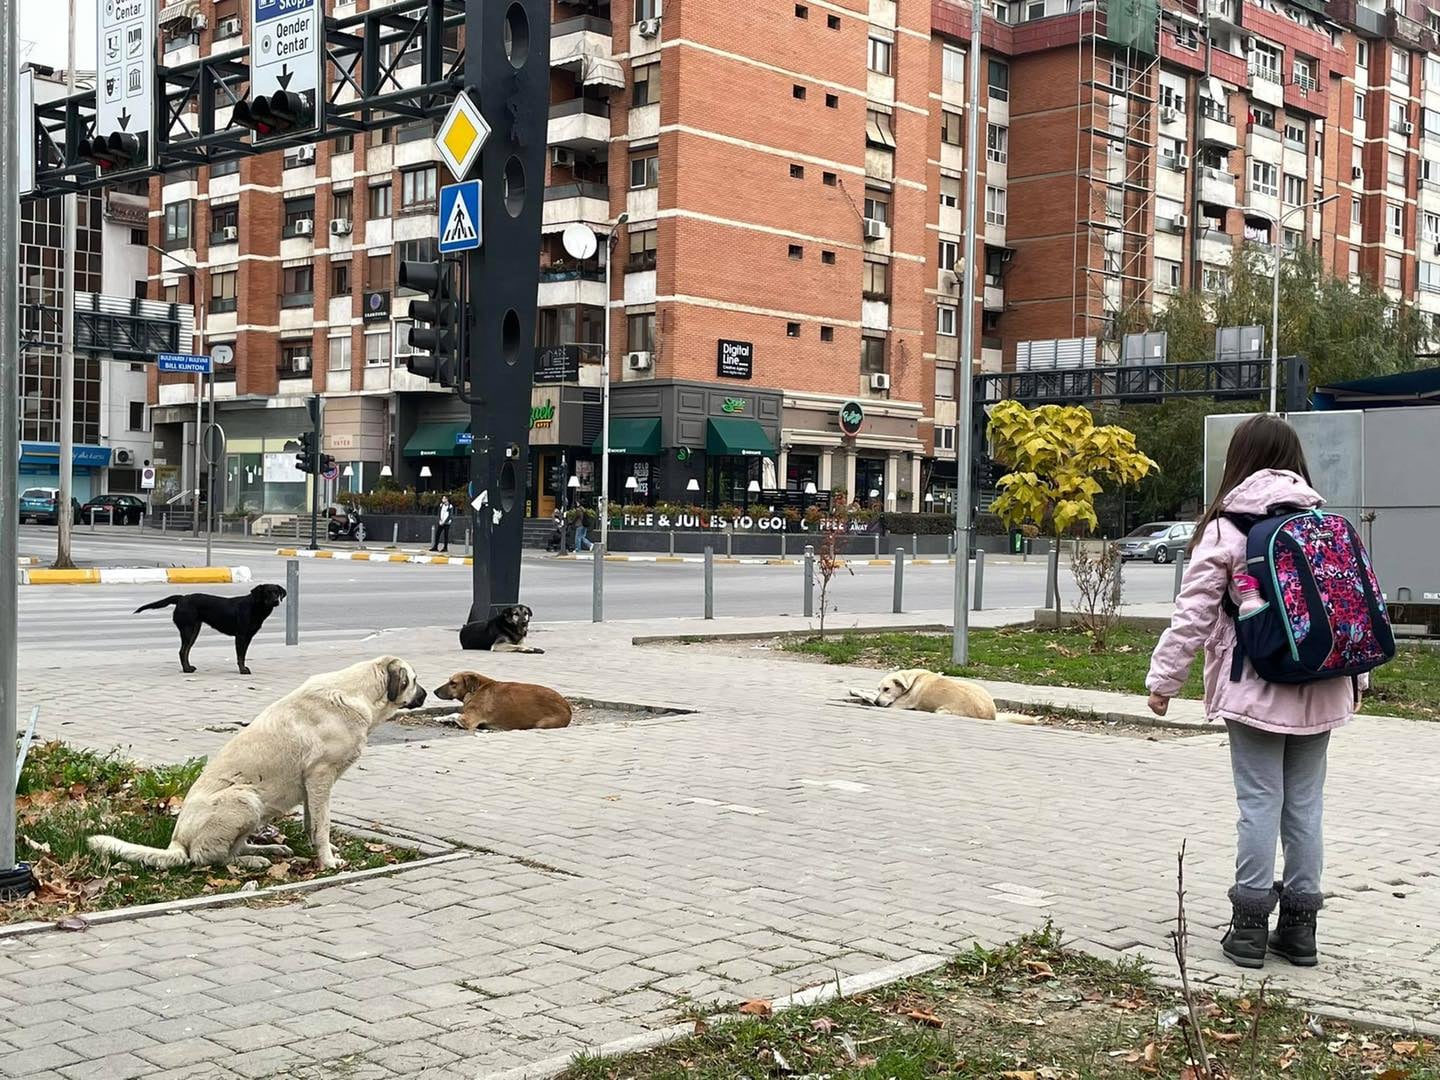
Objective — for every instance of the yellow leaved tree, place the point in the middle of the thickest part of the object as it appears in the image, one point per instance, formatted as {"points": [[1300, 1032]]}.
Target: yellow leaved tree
{"points": [[1056, 456]]}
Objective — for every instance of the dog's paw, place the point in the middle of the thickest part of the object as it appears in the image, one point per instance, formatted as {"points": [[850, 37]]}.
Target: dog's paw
{"points": [[532, 649], [250, 862], [244, 671], [334, 862], [189, 670]]}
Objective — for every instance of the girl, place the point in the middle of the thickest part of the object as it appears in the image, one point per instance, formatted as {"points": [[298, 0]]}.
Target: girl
{"points": [[1279, 733]]}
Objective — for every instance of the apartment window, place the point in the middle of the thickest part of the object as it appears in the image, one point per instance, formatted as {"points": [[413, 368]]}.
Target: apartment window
{"points": [[1392, 271], [1395, 213], [801, 11], [645, 172], [832, 101], [828, 258], [827, 333], [1171, 97], [1432, 228], [944, 384], [792, 329], [999, 80], [1354, 266], [1262, 117], [949, 254], [952, 64], [379, 201], [300, 216], [949, 193], [417, 189], [945, 437], [646, 9], [340, 353], [797, 172], [646, 90], [950, 127], [797, 92], [170, 294], [1362, 54], [1430, 119], [294, 359], [340, 278], [1167, 273], [797, 251], [877, 206], [640, 332], [997, 143], [223, 218], [879, 129], [381, 137], [872, 355], [994, 206], [642, 250], [343, 144], [1432, 72], [880, 56], [1035, 9], [177, 225], [1430, 277], [1430, 171], [225, 168], [1399, 65], [1001, 10], [1395, 168], [1295, 135], [1265, 61], [298, 286], [1291, 238], [377, 349], [829, 179], [137, 416], [222, 291], [1359, 105], [1399, 116], [139, 237], [1214, 279], [1304, 73], [945, 320], [832, 22], [377, 272], [876, 281], [342, 206], [1264, 178], [1294, 190]]}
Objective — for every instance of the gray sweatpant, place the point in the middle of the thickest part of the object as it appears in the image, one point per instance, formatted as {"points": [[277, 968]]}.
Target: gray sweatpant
{"points": [[1280, 788]]}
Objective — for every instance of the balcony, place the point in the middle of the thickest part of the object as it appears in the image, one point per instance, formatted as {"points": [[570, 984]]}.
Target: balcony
{"points": [[1216, 246], [567, 286], [566, 204], [582, 46], [580, 124], [994, 297], [1215, 126], [1217, 186]]}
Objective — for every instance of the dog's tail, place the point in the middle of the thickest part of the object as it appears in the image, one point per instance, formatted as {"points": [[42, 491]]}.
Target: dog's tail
{"points": [[162, 858], [169, 601]]}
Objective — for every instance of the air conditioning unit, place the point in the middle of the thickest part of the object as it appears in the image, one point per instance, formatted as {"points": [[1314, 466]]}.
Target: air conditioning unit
{"points": [[1180, 221], [1356, 173], [1182, 161], [198, 21], [305, 155], [638, 361], [124, 457], [648, 28], [875, 230], [302, 364], [562, 158], [879, 381], [1408, 127], [229, 234], [340, 227], [228, 28], [1437, 247], [304, 227], [1168, 115]]}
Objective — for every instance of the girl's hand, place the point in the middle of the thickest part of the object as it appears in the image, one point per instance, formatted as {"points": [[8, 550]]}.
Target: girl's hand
{"points": [[1159, 704]]}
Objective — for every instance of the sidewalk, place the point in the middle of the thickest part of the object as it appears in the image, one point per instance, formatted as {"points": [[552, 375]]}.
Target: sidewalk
{"points": [[769, 839]]}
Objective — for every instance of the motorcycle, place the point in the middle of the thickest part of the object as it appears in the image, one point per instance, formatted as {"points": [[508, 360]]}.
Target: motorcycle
{"points": [[346, 524]]}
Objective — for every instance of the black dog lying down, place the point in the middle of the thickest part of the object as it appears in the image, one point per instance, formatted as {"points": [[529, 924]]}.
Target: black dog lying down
{"points": [[503, 632], [239, 617]]}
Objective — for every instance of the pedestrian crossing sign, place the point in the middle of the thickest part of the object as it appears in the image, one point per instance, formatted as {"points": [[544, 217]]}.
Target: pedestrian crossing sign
{"points": [[460, 217]]}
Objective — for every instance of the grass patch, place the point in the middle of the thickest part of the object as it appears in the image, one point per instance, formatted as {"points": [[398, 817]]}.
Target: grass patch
{"points": [[66, 794], [1408, 686], [1031, 1010]]}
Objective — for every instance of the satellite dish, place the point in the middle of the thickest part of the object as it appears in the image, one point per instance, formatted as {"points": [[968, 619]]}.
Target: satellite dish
{"points": [[222, 354], [579, 241]]}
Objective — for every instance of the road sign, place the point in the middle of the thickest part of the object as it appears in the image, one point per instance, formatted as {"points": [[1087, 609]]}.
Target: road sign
{"points": [[331, 473], [460, 217], [285, 52], [461, 135], [147, 478], [27, 132], [213, 443], [191, 365], [125, 55], [465, 438]]}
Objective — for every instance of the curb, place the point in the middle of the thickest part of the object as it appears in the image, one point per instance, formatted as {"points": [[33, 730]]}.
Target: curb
{"points": [[757, 560], [374, 556], [133, 575]]}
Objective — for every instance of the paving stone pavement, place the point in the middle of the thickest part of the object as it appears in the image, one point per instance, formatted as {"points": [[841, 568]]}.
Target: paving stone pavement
{"points": [[765, 841]]}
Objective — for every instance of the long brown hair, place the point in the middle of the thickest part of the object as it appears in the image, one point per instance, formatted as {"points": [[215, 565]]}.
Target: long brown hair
{"points": [[1262, 442]]}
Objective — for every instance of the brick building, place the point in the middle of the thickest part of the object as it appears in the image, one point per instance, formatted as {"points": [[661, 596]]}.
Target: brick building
{"points": [[790, 177]]}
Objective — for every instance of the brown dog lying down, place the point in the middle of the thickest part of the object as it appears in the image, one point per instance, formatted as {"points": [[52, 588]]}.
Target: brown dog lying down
{"points": [[504, 706]]}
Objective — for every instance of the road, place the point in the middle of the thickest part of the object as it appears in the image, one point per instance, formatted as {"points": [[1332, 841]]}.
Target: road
{"points": [[345, 600]]}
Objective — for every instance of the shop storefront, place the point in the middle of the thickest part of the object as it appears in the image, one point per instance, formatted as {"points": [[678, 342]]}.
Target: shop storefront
{"points": [[40, 467], [260, 442], [564, 421], [869, 449]]}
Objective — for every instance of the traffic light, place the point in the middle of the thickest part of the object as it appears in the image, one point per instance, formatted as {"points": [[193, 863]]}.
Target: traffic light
{"points": [[326, 463], [441, 310], [279, 114], [305, 459], [115, 152]]}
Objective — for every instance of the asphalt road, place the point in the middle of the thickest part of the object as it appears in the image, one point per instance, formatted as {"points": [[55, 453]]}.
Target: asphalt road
{"points": [[343, 600]]}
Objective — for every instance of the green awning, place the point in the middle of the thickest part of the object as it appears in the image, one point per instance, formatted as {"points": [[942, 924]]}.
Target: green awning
{"points": [[633, 435], [436, 438], [732, 436]]}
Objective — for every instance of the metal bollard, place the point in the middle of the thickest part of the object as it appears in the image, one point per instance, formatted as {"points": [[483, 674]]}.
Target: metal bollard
{"points": [[877, 545], [672, 543], [164, 523], [1052, 568], [292, 602], [469, 543], [898, 604], [977, 604], [1119, 579], [245, 526], [729, 537], [597, 601], [1179, 572], [395, 535], [914, 545], [709, 583], [142, 524], [809, 565]]}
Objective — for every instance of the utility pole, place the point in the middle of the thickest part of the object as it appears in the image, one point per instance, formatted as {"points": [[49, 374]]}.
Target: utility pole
{"points": [[965, 377], [610, 239], [64, 519]]}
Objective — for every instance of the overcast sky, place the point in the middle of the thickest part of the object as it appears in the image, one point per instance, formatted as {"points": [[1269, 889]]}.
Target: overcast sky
{"points": [[43, 26]]}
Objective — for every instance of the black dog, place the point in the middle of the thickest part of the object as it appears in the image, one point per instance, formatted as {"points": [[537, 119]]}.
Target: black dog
{"points": [[503, 632], [239, 617]]}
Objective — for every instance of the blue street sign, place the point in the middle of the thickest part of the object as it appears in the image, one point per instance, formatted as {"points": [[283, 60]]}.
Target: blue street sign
{"points": [[464, 438], [191, 365], [460, 217]]}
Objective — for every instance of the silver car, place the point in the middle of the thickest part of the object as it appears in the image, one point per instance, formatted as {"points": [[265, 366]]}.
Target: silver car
{"points": [[1158, 541]]}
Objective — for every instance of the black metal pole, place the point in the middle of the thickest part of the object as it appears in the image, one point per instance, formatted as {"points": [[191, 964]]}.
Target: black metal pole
{"points": [[315, 459]]}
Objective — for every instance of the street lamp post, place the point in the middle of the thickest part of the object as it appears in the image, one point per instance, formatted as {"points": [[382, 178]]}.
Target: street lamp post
{"points": [[193, 275], [605, 391]]}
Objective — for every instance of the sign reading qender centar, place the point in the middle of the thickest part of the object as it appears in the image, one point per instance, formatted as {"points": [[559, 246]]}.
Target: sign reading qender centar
{"points": [[125, 51], [285, 50]]}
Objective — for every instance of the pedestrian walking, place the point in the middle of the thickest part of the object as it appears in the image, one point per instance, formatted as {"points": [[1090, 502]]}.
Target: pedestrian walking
{"points": [[583, 520], [1279, 730], [442, 525]]}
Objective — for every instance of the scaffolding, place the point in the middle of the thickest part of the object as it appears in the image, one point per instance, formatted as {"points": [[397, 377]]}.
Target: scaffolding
{"points": [[1118, 76]]}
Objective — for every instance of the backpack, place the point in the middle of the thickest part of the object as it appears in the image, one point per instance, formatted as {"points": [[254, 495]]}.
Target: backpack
{"points": [[1324, 615]]}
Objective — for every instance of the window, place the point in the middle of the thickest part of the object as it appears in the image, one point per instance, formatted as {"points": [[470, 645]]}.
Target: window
{"points": [[872, 355], [832, 22], [1001, 10], [642, 250], [1171, 97], [1432, 72], [294, 359], [177, 225], [1304, 73], [797, 92], [1399, 116], [950, 127], [827, 333], [1262, 117], [298, 288], [222, 291], [1399, 65], [945, 320], [300, 216], [379, 201], [1035, 9], [999, 80], [646, 90], [994, 206], [945, 438], [952, 64], [223, 218], [640, 332], [1215, 279], [646, 9], [225, 168], [1355, 211], [417, 189], [997, 143], [797, 251], [1265, 61], [792, 329], [1295, 135], [801, 11], [1354, 265], [340, 278], [829, 179], [343, 144], [1430, 277], [1264, 178], [1291, 238], [797, 172], [880, 56], [1167, 273], [949, 193], [377, 272], [1362, 54], [828, 258], [377, 349], [1294, 190], [949, 254], [876, 281], [879, 129], [340, 353], [1396, 216], [1395, 168], [1392, 271], [342, 205], [645, 172], [945, 383], [1359, 105], [832, 101], [877, 206], [1431, 225]]}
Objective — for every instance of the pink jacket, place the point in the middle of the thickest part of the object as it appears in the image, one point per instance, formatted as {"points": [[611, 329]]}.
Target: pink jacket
{"points": [[1199, 621]]}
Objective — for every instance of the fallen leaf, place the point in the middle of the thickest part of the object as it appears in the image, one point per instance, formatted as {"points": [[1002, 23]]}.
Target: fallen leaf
{"points": [[94, 887], [278, 870], [72, 924], [1039, 969], [929, 1019], [376, 849], [780, 1062], [221, 882], [1223, 1036], [77, 791], [1151, 1054], [1018, 1074], [1405, 1049], [1393, 1074], [823, 1023], [701, 1027], [848, 1045], [756, 1008]]}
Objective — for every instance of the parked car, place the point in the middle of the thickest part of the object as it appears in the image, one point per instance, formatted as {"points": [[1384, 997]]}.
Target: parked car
{"points": [[39, 505], [114, 509], [1158, 541]]}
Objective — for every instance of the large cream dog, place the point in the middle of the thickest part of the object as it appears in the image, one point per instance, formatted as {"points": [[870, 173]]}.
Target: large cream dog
{"points": [[291, 754], [929, 691]]}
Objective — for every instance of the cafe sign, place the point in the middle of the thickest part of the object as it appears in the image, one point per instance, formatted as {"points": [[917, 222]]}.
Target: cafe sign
{"points": [[852, 415], [696, 520], [732, 405], [542, 415]]}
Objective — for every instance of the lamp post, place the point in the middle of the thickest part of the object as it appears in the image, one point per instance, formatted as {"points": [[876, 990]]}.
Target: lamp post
{"points": [[425, 474], [605, 391], [572, 486]]}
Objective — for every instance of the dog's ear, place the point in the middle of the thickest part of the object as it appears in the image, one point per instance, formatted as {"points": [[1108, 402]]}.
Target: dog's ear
{"points": [[904, 680], [468, 682], [397, 680]]}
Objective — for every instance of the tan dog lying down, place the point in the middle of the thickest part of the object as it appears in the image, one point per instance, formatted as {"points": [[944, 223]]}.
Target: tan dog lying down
{"points": [[504, 706], [929, 691]]}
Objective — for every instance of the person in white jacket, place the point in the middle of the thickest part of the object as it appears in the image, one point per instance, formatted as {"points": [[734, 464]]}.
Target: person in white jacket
{"points": [[442, 525]]}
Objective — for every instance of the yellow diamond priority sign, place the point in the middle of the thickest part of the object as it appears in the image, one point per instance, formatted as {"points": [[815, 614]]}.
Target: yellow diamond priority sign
{"points": [[461, 136]]}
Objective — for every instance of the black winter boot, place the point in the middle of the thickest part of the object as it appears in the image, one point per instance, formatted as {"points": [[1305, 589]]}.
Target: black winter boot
{"points": [[1244, 943], [1294, 936]]}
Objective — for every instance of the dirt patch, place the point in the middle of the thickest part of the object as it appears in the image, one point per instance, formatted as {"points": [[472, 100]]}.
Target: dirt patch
{"points": [[761, 648], [1124, 729], [426, 725]]}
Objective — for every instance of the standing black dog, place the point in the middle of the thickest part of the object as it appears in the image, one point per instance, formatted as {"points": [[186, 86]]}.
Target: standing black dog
{"points": [[504, 632], [239, 617]]}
